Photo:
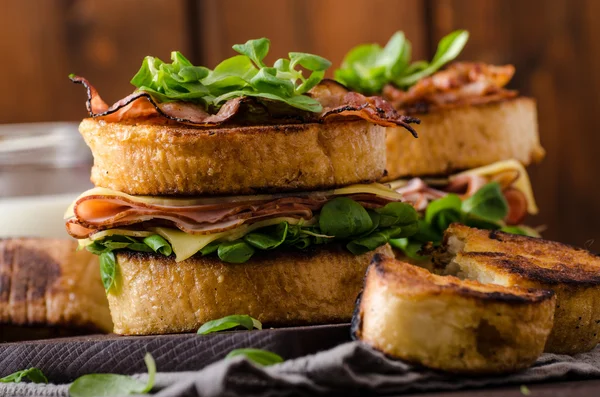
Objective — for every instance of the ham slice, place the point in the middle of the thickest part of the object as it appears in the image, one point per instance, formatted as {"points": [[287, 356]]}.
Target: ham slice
{"points": [[100, 212], [337, 102]]}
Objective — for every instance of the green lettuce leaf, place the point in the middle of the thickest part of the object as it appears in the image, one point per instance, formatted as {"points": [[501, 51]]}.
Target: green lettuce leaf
{"points": [[241, 75], [229, 322], [258, 356], [112, 384], [367, 68]]}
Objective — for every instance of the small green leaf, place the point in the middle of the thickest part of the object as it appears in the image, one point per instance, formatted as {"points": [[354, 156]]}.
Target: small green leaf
{"points": [[237, 251], [256, 50], [409, 247], [451, 202], [311, 62], [158, 244], [268, 238], [210, 248], [33, 374], [398, 214], [115, 245], [266, 81], [376, 239], [112, 384], [140, 247], [108, 268], [487, 203], [97, 248], [343, 217], [521, 230], [258, 356], [525, 390], [448, 49], [229, 322]]}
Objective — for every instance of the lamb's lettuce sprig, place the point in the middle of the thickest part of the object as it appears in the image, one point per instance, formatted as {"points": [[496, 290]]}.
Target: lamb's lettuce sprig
{"points": [[367, 68], [246, 74], [486, 209]]}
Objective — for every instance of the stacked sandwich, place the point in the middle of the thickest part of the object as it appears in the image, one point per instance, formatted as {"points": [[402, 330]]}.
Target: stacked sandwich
{"points": [[245, 189], [476, 137]]}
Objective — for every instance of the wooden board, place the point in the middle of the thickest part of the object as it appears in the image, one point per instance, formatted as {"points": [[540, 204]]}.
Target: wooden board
{"points": [[65, 359]]}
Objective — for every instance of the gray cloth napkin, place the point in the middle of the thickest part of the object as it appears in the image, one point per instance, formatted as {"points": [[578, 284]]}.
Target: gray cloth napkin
{"points": [[351, 369]]}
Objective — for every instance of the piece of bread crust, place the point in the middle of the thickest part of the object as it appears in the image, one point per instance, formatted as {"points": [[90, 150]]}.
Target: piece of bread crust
{"points": [[47, 283], [509, 260], [466, 137], [449, 324], [155, 295], [157, 158]]}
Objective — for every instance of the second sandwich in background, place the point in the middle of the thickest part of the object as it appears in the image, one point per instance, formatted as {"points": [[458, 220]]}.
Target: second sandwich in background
{"points": [[475, 139], [245, 189]]}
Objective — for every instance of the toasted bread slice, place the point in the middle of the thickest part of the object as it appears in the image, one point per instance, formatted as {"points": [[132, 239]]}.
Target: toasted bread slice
{"points": [[46, 283], [466, 137], [154, 158], [449, 324], [155, 295], [512, 260]]}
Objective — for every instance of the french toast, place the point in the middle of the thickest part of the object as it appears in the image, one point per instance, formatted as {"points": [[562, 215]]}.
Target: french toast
{"points": [[459, 138], [46, 283], [315, 286], [512, 260], [152, 157], [454, 325]]}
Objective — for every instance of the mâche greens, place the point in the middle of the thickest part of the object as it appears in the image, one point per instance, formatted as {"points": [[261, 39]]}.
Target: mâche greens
{"points": [[238, 76], [229, 322], [33, 374], [367, 68], [257, 356], [113, 384], [486, 209]]}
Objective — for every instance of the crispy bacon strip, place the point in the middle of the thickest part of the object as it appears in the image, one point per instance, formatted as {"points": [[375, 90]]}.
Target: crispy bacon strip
{"points": [[101, 212], [336, 100], [459, 84]]}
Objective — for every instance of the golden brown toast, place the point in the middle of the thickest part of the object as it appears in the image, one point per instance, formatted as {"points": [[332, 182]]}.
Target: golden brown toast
{"points": [[157, 158], [46, 283], [512, 260], [466, 137], [454, 325], [155, 295]]}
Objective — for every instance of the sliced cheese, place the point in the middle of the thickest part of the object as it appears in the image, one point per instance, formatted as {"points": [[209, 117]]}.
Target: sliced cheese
{"points": [[522, 183], [373, 188], [186, 245]]}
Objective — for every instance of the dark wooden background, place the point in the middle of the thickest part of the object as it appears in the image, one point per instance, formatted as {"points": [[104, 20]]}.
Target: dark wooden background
{"points": [[553, 43]]}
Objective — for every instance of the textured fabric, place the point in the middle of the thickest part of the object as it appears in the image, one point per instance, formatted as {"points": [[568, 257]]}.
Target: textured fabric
{"points": [[351, 369]]}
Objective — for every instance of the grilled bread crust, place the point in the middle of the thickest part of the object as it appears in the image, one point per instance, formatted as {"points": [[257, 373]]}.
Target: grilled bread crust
{"points": [[465, 137], [157, 158], [47, 283], [449, 324], [508, 259], [155, 295]]}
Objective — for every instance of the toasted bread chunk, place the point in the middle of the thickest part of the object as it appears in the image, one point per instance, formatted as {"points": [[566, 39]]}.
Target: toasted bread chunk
{"points": [[155, 295], [156, 158], [512, 260], [449, 324], [47, 283], [460, 138]]}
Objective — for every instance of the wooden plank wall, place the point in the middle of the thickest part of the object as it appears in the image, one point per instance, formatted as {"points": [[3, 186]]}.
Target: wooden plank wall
{"points": [[553, 44]]}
